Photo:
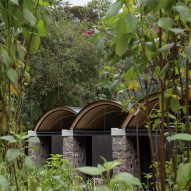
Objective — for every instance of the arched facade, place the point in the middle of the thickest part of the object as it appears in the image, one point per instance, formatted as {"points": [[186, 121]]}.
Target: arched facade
{"points": [[100, 115], [138, 117], [57, 119], [134, 124], [92, 132], [99, 129]]}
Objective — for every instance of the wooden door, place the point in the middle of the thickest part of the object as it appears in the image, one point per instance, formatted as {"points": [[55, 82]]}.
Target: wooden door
{"points": [[56, 144], [101, 146]]}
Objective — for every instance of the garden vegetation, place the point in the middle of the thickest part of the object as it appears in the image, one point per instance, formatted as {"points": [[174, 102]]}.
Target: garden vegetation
{"points": [[146, 49]]}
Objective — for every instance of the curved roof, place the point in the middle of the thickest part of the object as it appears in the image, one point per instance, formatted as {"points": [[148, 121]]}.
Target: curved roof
{"points": [[138, 117], [100, 115], [57, 119]]}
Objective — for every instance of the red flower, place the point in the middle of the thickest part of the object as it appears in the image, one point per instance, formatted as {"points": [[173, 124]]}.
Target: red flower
{"points": [[157, 29], [88, 32]]}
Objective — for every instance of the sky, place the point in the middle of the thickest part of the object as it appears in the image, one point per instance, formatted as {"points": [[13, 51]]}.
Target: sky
{"points": [[78, 2]]}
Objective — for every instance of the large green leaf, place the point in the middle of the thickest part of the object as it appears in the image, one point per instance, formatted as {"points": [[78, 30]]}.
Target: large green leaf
{"points": [[4, 184], [121, 44], [12, 154], [14, 1], [174, 105], [8, 138], [93, 171], [130, 75], [164, 70], [188, 52], [183, 176], [12, 75], [43, 3], [35, 43], [166, 47], [114, 9], [165, 23], [29, 17], [121, 26], [127, 178], [28, 163], [184, 12], [4, 56], [41, 28], [132, 22], [177, 30], [111, 164], [21, 51], [180, 137]]}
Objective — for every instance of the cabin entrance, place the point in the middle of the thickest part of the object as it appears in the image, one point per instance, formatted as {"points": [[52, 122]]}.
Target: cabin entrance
{"points": [[97, 146], [145, 156], [101, 147], [56, 144], [49, 144]]}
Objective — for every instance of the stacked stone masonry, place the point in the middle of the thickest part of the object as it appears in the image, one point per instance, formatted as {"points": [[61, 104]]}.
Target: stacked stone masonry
{"points": [[39, 152], [124, 152], [74, 150]]}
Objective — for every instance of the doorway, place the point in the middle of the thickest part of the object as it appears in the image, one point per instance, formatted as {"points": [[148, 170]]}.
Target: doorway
{"points": [[98, 146], [145, 156]]}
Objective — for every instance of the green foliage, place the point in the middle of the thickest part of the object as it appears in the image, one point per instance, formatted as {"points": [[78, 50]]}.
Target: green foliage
{"points": [[12, 154], [119, 181], [20, 35], [188, 52], [127, 179], [59, 175], [147, 50], [15, 167], [98, 7], [180, 136], [4, 184], [63, 72], [93, 171], [100, 169], [166, 23], [114, 9], [184, 176]]}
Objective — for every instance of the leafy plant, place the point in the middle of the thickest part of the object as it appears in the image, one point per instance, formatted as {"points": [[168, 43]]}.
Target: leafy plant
{"points": [[120, 181], [147, 48], [59, 175]]}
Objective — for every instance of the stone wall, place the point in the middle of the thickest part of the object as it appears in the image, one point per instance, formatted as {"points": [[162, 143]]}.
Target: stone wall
{"points": [[39, 152], [123, 150], [74, 150]]}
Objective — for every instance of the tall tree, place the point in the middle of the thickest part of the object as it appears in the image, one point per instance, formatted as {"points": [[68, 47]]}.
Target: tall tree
{"points": [[63, 72]]}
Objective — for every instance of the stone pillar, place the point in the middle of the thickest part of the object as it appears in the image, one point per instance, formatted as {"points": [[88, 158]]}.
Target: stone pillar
{"points": [[38, 151], [73, 149], [123, 151]]}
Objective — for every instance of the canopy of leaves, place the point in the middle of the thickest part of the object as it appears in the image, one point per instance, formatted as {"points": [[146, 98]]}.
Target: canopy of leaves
{"points": [[64, 71]]}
